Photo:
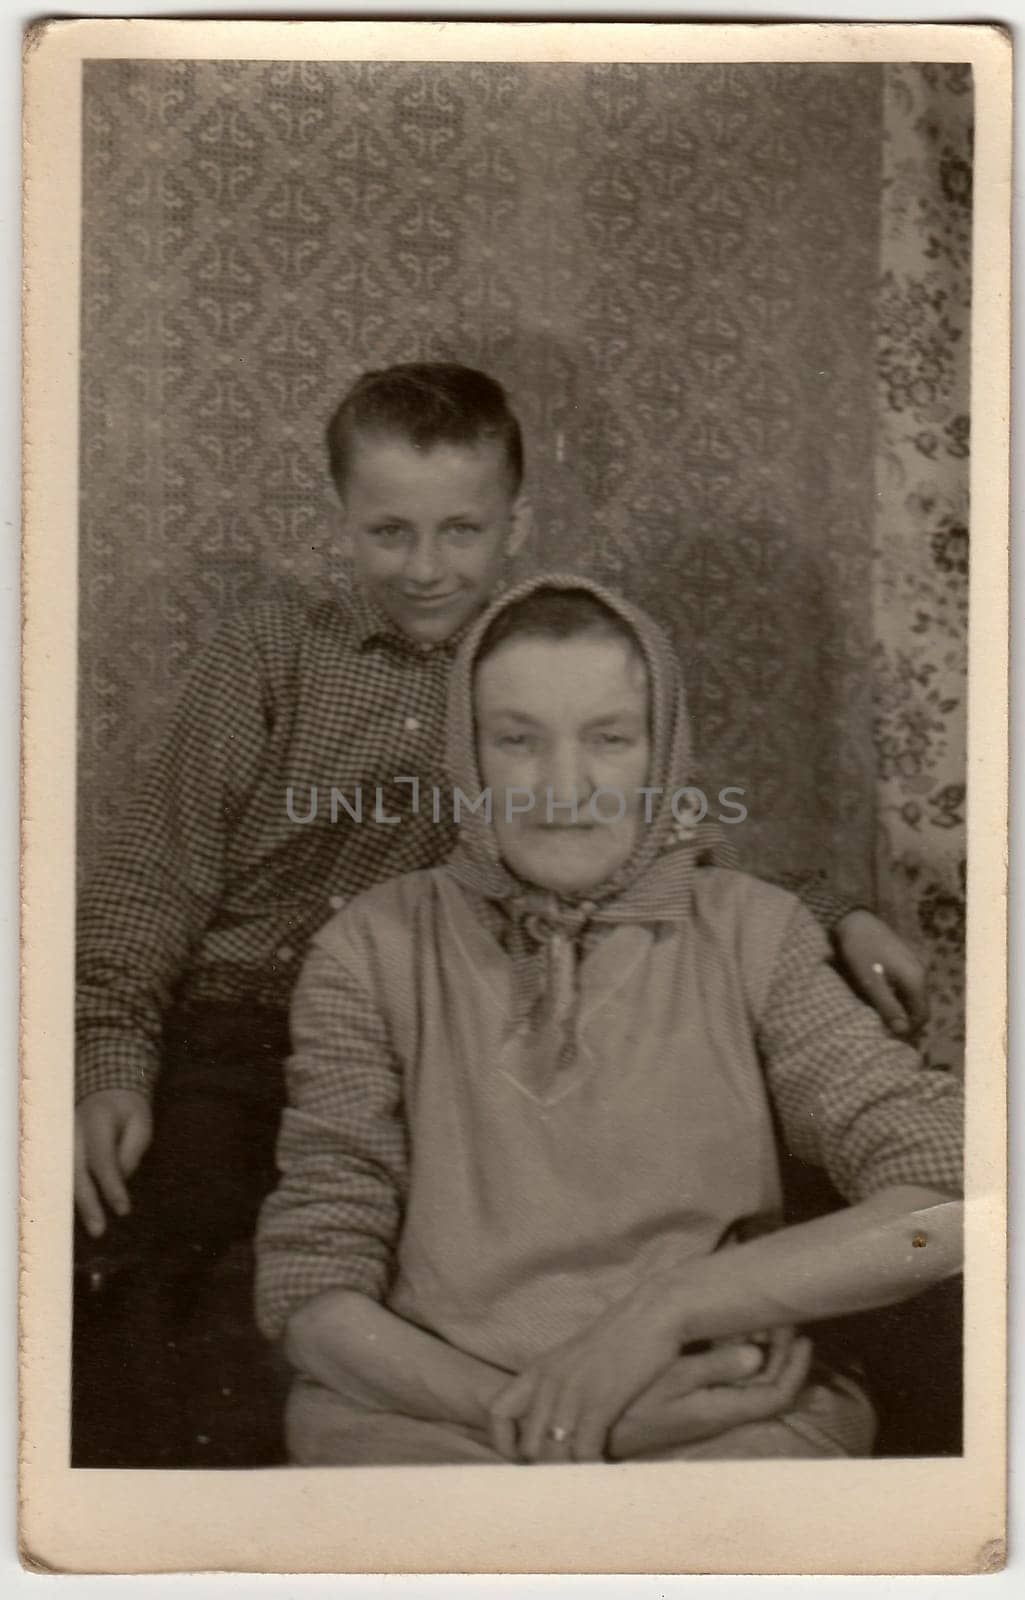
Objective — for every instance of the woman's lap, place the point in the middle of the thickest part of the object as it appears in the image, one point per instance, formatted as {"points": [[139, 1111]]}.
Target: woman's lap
{"points": [[323, 1429], [832, 1419]]}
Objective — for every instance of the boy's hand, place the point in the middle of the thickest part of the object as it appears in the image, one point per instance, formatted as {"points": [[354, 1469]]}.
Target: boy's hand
{"points": [[898, 991], [701, 1396], [113, 1128]]}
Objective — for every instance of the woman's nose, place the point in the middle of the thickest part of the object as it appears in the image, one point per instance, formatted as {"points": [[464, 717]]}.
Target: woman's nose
{"points": [[567, 776], [423, 565]]}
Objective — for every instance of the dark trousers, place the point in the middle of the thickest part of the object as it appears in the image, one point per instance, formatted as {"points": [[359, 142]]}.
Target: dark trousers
{"points": [[169, 1369]]}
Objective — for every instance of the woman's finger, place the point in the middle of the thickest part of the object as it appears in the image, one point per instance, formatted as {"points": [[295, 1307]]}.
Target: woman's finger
{"points": [[721, 1364], [504, 1414], [795, 1372], [778, 1347], [718, 1409], [593, 1407], [555, 1454], [541, 1415], [502, 1434], [590, 1433], [513, 1400], [732, 1407]]}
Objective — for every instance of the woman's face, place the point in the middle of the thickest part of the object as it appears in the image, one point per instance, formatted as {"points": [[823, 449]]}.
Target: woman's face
{"points": [[558, 720]]}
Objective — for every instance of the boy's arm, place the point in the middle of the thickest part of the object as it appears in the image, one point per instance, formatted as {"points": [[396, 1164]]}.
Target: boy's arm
{"points": [[154, 891], [851, 1099], [160, 879], [877, 963], [812, 889]]}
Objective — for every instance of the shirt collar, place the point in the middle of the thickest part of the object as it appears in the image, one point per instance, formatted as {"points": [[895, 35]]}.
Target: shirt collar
{"points": [[369, 624]]}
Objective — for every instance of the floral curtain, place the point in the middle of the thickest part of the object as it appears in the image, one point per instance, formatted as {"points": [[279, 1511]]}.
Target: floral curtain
{"points": [[920, 563]]}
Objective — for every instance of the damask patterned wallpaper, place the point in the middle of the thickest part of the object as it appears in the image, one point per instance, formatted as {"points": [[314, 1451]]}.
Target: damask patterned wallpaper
{"points": [[676, 272]]}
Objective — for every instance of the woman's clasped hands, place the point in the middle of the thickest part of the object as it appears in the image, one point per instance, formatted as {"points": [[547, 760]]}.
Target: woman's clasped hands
{"points": [[622, 1389]]}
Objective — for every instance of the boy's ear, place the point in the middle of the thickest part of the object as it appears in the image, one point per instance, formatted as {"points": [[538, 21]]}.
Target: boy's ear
{"points": [[340, 529], [521, 525]]}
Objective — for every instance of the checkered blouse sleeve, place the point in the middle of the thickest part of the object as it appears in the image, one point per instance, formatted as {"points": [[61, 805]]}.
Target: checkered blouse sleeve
{"points": [[815, 894], [160, 882], [334, 1219], [850, 1098]]}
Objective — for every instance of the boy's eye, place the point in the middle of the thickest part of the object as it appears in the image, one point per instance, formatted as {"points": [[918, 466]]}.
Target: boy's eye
{"points": [[389, 532], [612, 741], [464, 530], [513, 741]]}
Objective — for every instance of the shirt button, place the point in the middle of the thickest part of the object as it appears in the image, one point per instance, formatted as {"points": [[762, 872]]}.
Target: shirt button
{"points": [[336, 902], [412, 725], [285, 952]]}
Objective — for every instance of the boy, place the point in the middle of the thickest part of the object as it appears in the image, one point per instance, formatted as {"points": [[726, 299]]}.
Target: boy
{"points": [[192, 931]]}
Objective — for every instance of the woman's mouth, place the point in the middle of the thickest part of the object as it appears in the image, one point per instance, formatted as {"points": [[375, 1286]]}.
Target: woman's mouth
{"points": [[428, 600]]}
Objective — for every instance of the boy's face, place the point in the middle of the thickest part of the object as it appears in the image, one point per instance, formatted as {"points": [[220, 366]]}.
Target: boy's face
{"points": [[428, 529], [565, 717]]}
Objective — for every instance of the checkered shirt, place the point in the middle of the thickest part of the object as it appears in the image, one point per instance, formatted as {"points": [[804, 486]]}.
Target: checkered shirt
{"points": [[210, 891], [849, 1099]]}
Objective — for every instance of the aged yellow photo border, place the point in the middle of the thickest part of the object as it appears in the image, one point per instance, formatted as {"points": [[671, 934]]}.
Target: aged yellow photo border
{"points": [[881, 1516]]}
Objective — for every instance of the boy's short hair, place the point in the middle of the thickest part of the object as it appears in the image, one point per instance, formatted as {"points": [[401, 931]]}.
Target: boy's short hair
{"points": [[427, 403], [556, 614]]}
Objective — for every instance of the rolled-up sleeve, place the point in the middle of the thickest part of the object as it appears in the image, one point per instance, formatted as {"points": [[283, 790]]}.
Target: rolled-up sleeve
{"points": [[850, 1098], [334, 1219]]}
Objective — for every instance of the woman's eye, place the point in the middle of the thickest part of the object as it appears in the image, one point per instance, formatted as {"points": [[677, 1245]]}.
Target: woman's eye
{"points": [[388, 533], [512, 741], [613, 741], [464, 530]]}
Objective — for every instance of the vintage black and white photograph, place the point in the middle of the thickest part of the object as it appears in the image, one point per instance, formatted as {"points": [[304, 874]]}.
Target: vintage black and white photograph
{"points": [[519, 692]]}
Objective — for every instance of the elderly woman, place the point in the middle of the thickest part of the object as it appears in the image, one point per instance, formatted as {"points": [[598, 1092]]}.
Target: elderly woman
{"points": [[530, 1204]]}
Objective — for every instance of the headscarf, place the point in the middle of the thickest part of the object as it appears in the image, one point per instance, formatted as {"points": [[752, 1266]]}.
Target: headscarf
{"points": [[652, 887]]}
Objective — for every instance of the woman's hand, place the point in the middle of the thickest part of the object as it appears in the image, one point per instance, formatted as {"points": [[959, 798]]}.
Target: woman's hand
{"points": [[897, 991], [572, 1395], [702, 1396]]}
